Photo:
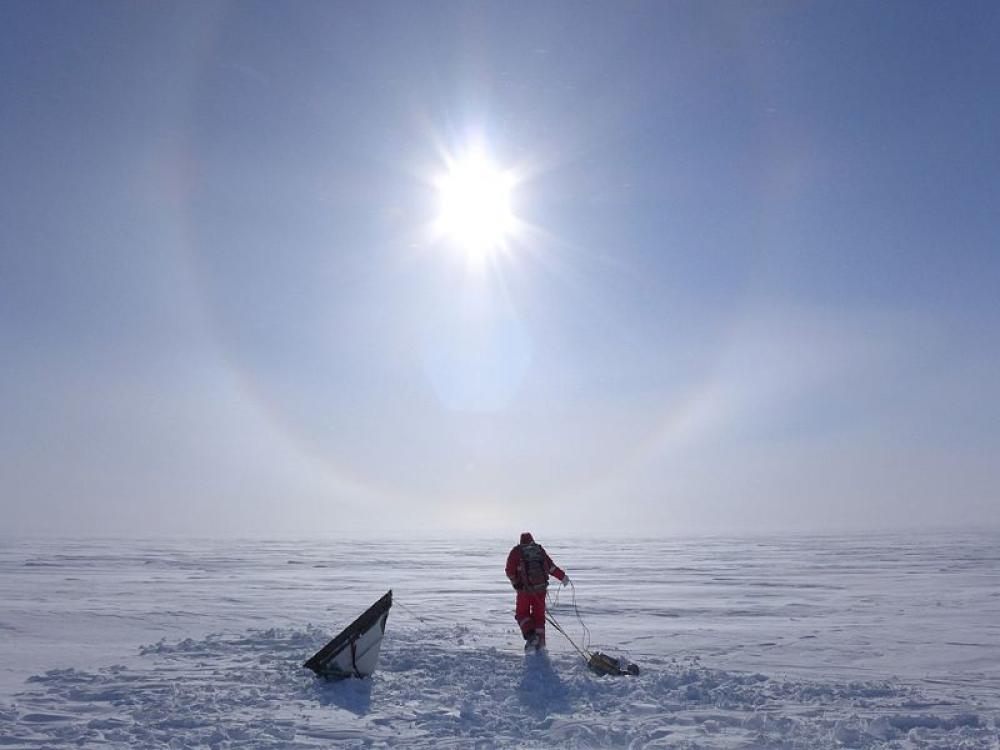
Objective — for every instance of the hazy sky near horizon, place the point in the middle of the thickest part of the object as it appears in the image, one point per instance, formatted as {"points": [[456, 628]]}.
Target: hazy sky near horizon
{"points": [[756, 285]]}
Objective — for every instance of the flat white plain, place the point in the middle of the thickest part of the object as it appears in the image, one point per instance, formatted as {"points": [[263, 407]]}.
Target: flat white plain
{"points": [[875, 641]]}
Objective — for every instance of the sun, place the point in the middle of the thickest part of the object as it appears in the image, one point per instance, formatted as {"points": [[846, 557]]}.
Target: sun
{"points": [[475, 205]]}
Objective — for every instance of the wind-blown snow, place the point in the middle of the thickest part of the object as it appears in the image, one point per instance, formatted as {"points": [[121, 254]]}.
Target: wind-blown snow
{"points": [[877, 642]]}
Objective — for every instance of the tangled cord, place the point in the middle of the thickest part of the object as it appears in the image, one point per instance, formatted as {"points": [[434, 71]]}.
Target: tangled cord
{"points": [[595, 660], [554, 601]]}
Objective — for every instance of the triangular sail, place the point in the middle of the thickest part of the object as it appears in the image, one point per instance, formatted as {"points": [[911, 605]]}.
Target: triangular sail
{"points": [[354, 652]]}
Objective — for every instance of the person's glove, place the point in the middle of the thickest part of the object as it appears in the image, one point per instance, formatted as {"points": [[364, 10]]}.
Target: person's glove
{"points": [[517, 586], [565, 581]]}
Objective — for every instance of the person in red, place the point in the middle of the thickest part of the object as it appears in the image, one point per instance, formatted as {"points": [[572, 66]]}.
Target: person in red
{"points": [[528, 569]]}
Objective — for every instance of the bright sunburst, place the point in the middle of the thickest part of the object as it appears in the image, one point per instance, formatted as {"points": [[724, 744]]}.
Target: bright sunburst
{"points": [[475, 211]]}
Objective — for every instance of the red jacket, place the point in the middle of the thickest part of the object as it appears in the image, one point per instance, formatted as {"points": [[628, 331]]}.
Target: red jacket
{"points": [[529, 566]]}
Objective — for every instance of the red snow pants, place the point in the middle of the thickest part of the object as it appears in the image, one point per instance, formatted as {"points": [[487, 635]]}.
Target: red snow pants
{"points": [[530, 613]]}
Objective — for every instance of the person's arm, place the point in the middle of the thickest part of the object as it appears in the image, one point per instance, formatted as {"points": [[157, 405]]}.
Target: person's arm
{"points": [[513, 559], [552, 568]]}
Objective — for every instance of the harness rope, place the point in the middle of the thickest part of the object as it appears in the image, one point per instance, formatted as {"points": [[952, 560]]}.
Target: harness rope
{"points": [[423, 618], [410, 611]]}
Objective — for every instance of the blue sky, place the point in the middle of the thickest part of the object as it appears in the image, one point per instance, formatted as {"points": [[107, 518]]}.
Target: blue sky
{"points": [[757, 287]]}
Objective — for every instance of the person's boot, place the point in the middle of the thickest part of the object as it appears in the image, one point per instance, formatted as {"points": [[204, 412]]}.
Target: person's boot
{"points": [[531, 641]]}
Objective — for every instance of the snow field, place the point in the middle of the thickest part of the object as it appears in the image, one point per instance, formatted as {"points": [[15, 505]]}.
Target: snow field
{"points": [[840, 642], [249, 691]]}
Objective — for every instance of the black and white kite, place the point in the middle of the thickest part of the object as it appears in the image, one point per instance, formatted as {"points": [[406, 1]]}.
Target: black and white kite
{"points": [[354, 652]]}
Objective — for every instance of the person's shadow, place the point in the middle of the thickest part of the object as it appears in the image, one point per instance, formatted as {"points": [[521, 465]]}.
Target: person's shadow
{"points": [[541, 692], [352, 694]]}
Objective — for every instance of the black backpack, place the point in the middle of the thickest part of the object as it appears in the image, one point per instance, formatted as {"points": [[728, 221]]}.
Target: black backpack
{"points": [[533, 565]]}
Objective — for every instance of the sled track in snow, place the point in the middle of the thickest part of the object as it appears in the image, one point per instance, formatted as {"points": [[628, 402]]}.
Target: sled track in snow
{"points": [[249, 690]]}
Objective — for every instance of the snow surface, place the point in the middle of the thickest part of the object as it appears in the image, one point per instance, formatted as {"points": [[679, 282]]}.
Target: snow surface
{"points": [[804, 642]]}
